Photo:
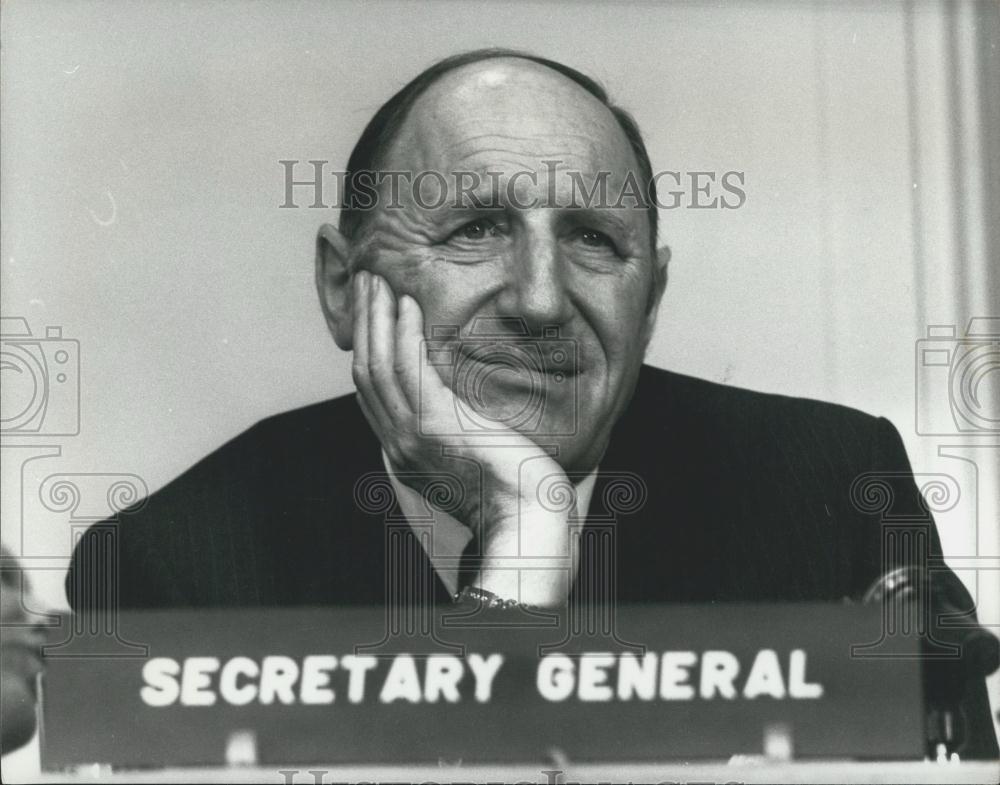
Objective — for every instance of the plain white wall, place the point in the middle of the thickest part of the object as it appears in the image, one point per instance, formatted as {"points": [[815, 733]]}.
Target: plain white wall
{"points": [[141, 188]]}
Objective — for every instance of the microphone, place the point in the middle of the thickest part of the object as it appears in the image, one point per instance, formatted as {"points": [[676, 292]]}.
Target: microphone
{"points": [[955, 657], [939, 602]]}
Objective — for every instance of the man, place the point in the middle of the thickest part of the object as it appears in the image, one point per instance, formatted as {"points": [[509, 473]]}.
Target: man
{"points": [[732, 495], [20, 655]]}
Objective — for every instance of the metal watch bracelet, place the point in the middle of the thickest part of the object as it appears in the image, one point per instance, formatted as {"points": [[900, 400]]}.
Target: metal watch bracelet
{"points": [[488, 599]]}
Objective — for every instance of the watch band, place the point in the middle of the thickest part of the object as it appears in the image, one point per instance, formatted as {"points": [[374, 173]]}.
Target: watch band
{"points": [[488, 599]]}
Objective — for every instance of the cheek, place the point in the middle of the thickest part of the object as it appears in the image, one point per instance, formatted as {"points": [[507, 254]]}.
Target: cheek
{"points": [[448, 294], [616, 311]]}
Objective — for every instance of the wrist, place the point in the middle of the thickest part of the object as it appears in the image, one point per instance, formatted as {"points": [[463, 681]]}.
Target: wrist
{"points": [[532, 532], [529, 558]]}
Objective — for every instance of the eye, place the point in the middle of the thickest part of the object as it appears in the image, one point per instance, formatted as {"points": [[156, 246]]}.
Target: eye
{"points": [[476, 230], [596, 239]]}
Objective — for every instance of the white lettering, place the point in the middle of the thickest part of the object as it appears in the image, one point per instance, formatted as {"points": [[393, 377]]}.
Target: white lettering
{"points": [[588, 677], [358, 666], [196, 681], [402, 681], [555, 677], [484, 671], [765, 676], [593, 684], [797, 685], [674, 674], [636, 679], [238, 666], [444, 672], [278, 675], [718, 670], [315, 678], [160, 676]]}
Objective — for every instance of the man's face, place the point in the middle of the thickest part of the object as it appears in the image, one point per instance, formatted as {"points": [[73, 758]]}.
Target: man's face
{"points": [[522, 256]]}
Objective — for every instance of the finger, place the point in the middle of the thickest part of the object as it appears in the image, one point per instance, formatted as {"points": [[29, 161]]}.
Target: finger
{"points": [[359, 364], [384, 439], [382, 351], [422, 378], [411, 350], [372, 419]]}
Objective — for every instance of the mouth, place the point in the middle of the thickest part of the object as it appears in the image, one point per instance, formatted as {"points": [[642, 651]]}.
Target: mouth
{"points": [[494, 382], [525, 362]]}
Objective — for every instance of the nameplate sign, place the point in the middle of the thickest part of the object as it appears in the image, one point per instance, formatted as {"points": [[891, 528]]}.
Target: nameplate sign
{"points": [[323, 686]]}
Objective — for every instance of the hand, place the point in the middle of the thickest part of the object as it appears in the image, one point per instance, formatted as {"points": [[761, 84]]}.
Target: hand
{"points": [[501, 476]]}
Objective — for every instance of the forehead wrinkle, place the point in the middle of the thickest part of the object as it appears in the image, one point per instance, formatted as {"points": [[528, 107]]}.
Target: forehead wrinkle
{"points": [[531, 141], [524, 136], [514, 137], [484, 170], [532, 149], [528, 150], [588, 162], [564, 180]]}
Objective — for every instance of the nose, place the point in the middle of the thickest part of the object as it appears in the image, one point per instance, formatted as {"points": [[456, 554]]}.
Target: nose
{"points": [[536, 282], [535, 287]]}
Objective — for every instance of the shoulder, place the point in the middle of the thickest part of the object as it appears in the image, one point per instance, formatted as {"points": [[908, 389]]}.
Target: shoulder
{"points": [[326, 435], [671, 411], [219, 533], [674, 394], [767, 485], [300, 454], [339, 415], [318, 422]]}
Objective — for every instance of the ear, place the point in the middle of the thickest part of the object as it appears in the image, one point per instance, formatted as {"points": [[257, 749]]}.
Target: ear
{"points": [[334, 284], [660, 264]]}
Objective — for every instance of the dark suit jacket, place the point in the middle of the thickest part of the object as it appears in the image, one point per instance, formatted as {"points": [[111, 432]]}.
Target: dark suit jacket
{"points": [[716, 493]]}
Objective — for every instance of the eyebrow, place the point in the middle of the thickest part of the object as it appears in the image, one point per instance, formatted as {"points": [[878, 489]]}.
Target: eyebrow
{"points": [[606, 219], [489, 195]]}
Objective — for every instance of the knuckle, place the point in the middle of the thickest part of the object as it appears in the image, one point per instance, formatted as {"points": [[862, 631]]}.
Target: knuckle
{"points": [[408, 444], [380, 370], [359, 372], [396, 457]]}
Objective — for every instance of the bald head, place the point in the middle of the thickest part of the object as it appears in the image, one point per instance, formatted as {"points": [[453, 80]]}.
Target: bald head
{"points": [[522, 96], [519, 106]]}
